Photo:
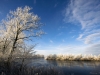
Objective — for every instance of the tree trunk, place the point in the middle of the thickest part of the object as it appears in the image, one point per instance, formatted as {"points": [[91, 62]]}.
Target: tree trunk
{"points": [[12, 50]]}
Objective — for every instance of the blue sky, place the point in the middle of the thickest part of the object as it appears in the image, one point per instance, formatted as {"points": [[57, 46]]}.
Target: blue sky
{"points": [[71, 26]]}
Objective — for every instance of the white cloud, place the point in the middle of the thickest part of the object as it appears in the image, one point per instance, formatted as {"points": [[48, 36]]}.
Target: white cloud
{"points": [[80, 36], [61, 49], [87, 14], [44, 52], [70, 49], [90, 38], [93, 49]]}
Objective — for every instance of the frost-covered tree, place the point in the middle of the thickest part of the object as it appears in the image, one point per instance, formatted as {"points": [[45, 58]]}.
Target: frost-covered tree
{"points": [[19, 26], [26, 52]]}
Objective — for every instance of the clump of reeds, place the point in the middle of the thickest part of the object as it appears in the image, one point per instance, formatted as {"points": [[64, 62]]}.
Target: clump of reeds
{"points": [[80, 57]]}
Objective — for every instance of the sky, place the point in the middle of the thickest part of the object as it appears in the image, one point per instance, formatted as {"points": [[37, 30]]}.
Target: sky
{"points": [[71, 26]]}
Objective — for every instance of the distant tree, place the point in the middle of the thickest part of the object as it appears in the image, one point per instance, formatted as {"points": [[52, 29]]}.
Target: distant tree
{"points": [[19, 26]]}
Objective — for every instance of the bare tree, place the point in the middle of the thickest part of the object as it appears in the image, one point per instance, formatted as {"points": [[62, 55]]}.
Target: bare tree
{"points": [[26, 52], [19, 26], [4, 47]]}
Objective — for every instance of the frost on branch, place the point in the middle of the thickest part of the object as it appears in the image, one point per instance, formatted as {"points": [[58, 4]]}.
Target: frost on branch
{"points": [[20, 25], [72, 57], [23, 23]]}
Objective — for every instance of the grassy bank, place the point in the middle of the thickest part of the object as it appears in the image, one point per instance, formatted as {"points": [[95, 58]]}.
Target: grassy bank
{"points": [[15, 69]]}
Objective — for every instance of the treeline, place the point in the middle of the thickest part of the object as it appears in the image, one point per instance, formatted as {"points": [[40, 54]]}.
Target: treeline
{"points": [[72, 57]]}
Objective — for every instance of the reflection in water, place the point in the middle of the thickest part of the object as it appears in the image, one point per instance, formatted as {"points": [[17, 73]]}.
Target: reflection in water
{"points": [[68, 67], [75, 63], [71, 67], [78, 67]]}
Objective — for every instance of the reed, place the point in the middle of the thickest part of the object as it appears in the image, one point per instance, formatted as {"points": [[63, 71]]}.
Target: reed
{"points": [[73, 57]]}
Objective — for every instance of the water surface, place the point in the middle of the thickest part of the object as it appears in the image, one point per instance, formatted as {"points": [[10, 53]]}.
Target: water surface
{"points": [[71, 67]]}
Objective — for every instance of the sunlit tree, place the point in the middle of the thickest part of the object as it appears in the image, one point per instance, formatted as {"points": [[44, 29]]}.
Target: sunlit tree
{"points": [[19, 26]]}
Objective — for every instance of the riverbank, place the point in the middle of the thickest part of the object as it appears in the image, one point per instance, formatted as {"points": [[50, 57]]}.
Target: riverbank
{"points": [[15, 69]]}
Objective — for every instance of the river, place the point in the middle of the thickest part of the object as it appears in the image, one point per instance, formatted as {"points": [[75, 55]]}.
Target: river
{"points": [[70, 67]]}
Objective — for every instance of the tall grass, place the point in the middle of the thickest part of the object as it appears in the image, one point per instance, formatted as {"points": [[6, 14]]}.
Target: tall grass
{"points": [[27, 70], [88, 57]]}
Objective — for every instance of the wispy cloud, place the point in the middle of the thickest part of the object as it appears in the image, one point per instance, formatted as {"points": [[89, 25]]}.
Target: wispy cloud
{"points": [[93, 49], [61, 49], [87, 14]]}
